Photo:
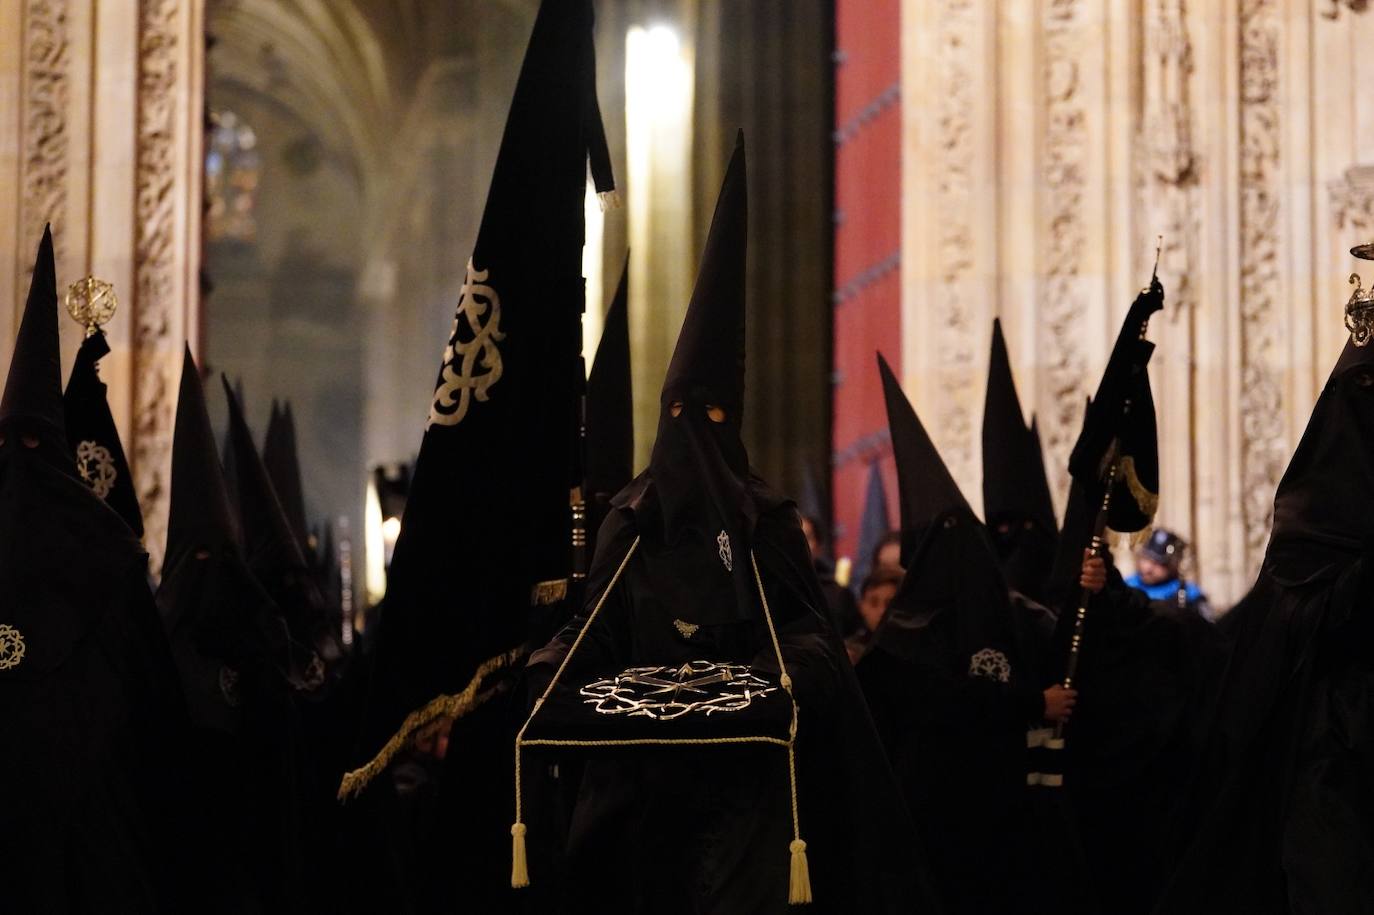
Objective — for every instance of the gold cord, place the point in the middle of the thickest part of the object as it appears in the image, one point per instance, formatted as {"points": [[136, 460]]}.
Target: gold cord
{"points": [[450, 706], [799, 891]]}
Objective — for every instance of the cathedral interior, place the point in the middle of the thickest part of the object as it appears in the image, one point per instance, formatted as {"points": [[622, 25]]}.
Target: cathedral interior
{"points": [[289, 185], [687, 456]]}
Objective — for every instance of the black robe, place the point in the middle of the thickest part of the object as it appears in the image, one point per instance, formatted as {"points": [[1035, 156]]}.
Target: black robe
{"points": [[93, 718], [1144, 673], [957, 741], [707, 829]]}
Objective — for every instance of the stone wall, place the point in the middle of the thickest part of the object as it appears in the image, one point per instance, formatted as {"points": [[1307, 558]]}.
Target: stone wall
{"points": [[1046, 145]]}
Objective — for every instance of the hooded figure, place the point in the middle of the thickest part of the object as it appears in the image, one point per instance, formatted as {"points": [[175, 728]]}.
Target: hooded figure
{"points": [[1016, 494], [676, 585], [874, 525], [93, 715], [1281, 815], [232, 650], [274, 555], [93, 437], [951, 676]]}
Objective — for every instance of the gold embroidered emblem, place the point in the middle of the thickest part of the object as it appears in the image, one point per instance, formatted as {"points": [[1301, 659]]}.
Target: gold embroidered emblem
{"points": [[687, 630], [11, 647], [97, 468], [471, 344], [727, 557]]}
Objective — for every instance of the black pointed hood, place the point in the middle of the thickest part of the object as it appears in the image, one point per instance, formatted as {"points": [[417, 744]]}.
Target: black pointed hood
{"points": [[200, 515], [950, 564], [33, 389], [610, 404], [708, 361], [1017, 505], [1322, 507], [91, 432], [269, 547], [703, 509], [282, 460]]}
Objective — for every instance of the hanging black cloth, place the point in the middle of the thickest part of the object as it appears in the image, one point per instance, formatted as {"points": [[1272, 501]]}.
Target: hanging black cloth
{"points": [[610, 412], [95, 815], [93, 437]]}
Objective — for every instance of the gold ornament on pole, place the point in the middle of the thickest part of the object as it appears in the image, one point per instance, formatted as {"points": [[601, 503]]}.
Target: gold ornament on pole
{"points": [[1359, 310], [91, 303]]}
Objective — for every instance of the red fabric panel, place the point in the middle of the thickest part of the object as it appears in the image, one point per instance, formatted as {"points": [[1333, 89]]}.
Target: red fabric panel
{"points": [[867, 312]]}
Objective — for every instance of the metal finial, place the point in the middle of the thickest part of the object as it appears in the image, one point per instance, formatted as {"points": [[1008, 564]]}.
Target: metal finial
{"points": [[91, 303]]}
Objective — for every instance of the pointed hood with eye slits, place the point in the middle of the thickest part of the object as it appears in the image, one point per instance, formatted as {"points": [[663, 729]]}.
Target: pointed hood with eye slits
{"points": [[950, 564], [33, 388], [702, 511], [1017, 505]]}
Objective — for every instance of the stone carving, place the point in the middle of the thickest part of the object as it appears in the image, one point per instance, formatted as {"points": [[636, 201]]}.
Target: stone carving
{"points": [[1061, 300], [1263, 444], [1352, 203], [1333, 10], [955, 351], [157, 328], [44, 155]]}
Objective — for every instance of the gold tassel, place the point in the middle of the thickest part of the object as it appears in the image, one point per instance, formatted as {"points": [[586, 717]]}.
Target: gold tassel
{"points": [[519, 868], [800, 890]]}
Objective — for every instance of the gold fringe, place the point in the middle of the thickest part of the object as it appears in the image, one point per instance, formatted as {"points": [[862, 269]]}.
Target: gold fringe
{"points": [[548, 592], [445, 706], [1146, 501]]}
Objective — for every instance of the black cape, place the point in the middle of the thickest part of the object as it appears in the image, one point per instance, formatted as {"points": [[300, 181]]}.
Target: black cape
{"points": [[1281, 812]]}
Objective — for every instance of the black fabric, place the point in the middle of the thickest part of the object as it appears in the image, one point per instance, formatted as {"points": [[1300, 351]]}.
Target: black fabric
{"points": [[231, 650], [94, 439], [1281, 811], [610, 412], [95, 817], [1144, 674], [1122, 414], [1017, 505], [488, 517], [720, 815]]}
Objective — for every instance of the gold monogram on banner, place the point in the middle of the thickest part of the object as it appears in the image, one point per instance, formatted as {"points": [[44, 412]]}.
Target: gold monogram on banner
{"points": [[471, 346]]}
